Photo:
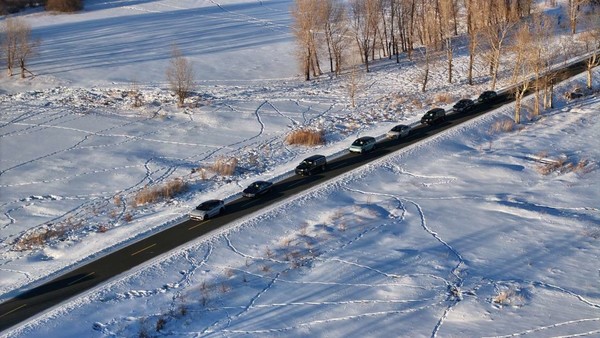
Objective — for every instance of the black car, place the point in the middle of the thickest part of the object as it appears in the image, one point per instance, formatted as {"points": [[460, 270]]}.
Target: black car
{"points": [[312, 164], [487, 96], [463, 105], [257, 188], [434, 116]]}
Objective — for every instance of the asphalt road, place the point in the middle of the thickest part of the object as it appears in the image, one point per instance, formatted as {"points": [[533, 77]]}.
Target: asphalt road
{"points": [[33, 301]]}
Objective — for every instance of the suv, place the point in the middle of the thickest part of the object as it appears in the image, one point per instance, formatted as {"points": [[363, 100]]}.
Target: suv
{"points": [[311, 165], [208, 209], [363, 144], [434, 116], [463, 105], [487, 96]]}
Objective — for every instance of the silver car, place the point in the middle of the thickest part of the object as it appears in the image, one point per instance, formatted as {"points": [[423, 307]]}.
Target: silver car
{"points": [[208, 209], [398, 131], [363, 144]]}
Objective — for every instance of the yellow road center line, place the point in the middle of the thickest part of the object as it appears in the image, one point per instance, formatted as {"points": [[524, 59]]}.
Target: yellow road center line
{"points": [[197, 225], [13, 310], [78, 279], [146, 248]]}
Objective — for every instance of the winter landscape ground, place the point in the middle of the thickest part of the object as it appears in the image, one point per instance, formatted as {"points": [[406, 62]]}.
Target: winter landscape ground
{"points": [[472, 233]]}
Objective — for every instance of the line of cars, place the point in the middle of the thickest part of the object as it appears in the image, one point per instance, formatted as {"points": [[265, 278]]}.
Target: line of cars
{"points": [[318, 163], [212, 208], [438, 115]]}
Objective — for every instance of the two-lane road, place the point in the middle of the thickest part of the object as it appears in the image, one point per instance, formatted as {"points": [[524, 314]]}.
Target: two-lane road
{"points": [[60, 289]]}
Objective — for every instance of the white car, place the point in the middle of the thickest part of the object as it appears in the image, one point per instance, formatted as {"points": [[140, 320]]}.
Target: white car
{"points": [[363, 144], [205, 210], [398, 131]]}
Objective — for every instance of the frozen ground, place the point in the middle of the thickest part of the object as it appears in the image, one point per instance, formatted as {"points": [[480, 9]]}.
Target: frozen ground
{"points": [[459, 236]]}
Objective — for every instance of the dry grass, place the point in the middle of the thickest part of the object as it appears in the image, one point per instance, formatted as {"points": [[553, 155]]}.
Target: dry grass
{"points": [[562, 165], [39, 237], [548, 167], [504, 126], [581, 167], [160, 323], [306, 137], [508, 297], [225, 166], [155, 194], [443, 98]]}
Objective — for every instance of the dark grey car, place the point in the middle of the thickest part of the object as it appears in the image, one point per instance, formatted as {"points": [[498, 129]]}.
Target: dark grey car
{"points": [[463, 105], [257, 188], [311, 165], [434, 116]]}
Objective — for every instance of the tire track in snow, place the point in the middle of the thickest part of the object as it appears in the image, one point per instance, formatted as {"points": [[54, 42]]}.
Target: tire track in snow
{"points": [[454, 295], [333, 320], [253, 20], [547, 327]]}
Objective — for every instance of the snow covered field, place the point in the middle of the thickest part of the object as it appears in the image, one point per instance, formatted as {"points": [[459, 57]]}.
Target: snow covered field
{"points": [[462, 235]]}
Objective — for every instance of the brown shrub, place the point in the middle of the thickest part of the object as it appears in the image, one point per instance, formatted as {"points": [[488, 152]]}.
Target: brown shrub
{"points": [[548, 167], [64, 5], [155, 194], [306, 137], [505, 125], [225, 166], [443, 98], [39, 237], [160, 323]]}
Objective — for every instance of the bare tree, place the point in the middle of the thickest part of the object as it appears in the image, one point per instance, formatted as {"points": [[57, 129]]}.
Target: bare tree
{"points": [[18, 45], [573, 8], [180, 75], [447, 26], [430, 38], [496, 35], [335, 28], [591, 39], [306, 19], [354, 83], [364, 16], [522, 67], [473, 27], [9, 43], [540, 55]]}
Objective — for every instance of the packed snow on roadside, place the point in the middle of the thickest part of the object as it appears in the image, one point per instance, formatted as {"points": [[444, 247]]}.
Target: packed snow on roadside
{"points": [[472, 233]]}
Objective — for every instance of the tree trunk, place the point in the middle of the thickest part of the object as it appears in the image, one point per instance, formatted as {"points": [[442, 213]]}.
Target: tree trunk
{"points": [[450, 58]]}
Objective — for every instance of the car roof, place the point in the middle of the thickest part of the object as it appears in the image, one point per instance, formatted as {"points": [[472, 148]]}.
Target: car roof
{"points": [[435, 110], [313, 157], [211, 201]]}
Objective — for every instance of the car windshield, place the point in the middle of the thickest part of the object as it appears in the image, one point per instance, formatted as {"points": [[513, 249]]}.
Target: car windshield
{"points": [[397, 128], [205, 206], [306, 163], [358, 143]]}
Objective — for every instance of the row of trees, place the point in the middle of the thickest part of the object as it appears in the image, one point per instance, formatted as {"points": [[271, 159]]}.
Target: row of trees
{"points": [[389, 27], [337, 30], [14, 6]]}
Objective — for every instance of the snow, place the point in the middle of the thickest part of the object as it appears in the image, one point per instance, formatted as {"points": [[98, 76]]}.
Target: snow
{"points": [[460, 235]]}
